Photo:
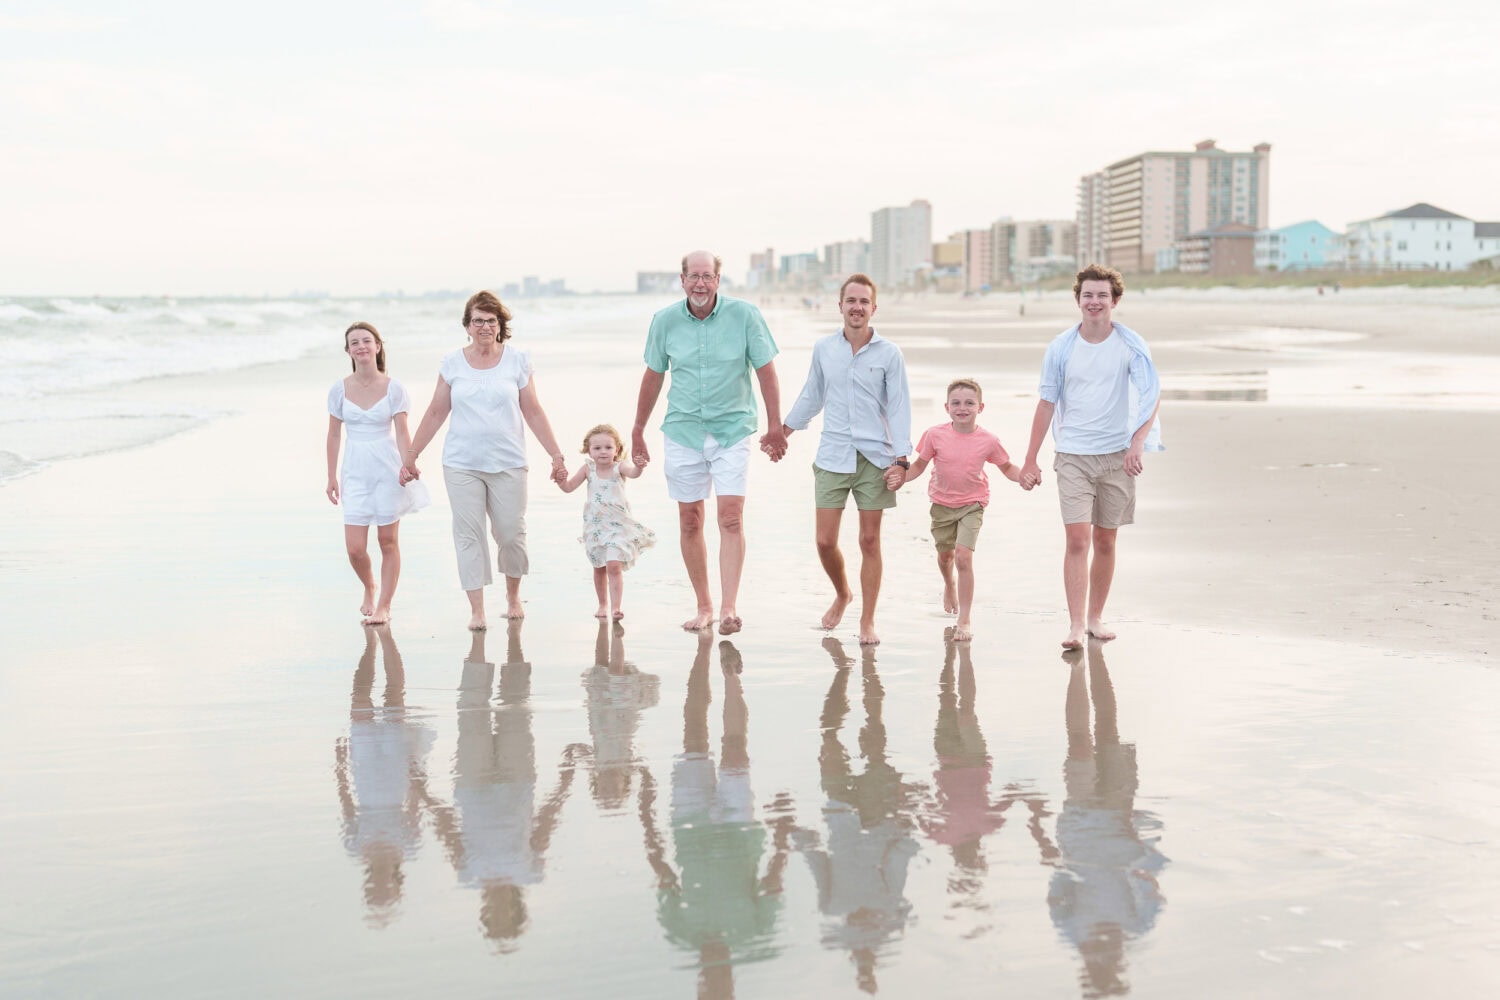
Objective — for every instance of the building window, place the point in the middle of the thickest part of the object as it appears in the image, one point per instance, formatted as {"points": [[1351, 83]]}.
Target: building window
{"points": [[1401, 245]]}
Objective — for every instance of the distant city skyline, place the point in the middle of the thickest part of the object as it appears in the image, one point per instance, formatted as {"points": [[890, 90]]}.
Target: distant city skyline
{"points": [[173, 148]]}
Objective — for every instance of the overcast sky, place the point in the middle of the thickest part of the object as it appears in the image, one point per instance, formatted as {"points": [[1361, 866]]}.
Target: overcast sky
{"points": [[205, 148]]}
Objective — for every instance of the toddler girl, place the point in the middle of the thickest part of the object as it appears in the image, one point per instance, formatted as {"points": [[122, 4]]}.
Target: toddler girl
{"points": [[612, 538]]}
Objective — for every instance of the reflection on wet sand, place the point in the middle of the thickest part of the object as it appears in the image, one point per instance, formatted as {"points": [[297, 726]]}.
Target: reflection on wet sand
{"points": [[379, 768], [715, 903], [493, 835], [861, 869], [617, 694], [1105, 891], [963, 811]]}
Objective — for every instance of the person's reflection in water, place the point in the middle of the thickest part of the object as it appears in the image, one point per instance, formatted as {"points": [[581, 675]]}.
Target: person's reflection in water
{"points": [[617, 694], [715, 903], [495, 838], [1105, 892], [963, 810], [861, 872], [379, 769]]}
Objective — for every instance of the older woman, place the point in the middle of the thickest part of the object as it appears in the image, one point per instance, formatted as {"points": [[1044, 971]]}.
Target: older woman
{"points": [[488, 388]]}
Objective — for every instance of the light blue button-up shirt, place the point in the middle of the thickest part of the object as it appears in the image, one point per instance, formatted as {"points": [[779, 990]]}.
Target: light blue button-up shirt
{"points": [[710, 360], [865, 401]]}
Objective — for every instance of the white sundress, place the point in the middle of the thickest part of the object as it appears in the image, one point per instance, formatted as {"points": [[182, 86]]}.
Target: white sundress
{"points": [[369, 481], [610, 533]]}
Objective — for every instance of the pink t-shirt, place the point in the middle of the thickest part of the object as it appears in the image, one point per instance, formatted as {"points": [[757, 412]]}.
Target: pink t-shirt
{"points": [[958, 477]]}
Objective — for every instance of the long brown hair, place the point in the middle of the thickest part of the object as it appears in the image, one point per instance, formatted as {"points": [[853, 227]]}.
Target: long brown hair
{"points": [[379, 355]]}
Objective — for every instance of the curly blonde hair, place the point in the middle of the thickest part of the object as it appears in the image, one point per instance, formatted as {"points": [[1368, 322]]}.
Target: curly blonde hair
{"points": [[605, 429]]}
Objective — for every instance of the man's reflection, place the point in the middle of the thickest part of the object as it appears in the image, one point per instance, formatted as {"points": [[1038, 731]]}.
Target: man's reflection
{"points": [[379, 768], [617, 694], [715, 903], [861, 871], [494, 836], [963, 810], [1105, 891]]}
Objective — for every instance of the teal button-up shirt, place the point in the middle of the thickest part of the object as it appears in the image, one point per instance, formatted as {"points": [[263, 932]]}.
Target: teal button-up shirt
{"points": [[710, 361]]}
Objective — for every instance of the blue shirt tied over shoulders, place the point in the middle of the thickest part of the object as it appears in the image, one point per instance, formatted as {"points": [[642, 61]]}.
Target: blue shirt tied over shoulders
{"points": [[865, 400], [1145, 385], [710, 360]]}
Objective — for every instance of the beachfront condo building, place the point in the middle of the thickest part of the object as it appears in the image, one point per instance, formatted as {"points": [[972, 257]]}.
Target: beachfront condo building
{"points": [[1148, 202], [1420, 237], [1025, 251], [844, 258], [976, 259], [901, 244], [1303, 246]]}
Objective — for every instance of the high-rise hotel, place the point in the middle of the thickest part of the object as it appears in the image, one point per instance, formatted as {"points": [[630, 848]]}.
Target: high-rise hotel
{"points": [[1147, 202]]}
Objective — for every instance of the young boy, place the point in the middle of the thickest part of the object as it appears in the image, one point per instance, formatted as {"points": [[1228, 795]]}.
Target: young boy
{"points": [[959, 491]]}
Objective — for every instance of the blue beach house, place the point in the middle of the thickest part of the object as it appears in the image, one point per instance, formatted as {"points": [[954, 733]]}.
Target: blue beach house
{"points": [[1304, 246]]}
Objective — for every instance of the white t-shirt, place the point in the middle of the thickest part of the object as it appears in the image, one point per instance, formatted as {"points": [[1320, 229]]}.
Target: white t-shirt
{"points": [[485, 429], [1096, 394]]}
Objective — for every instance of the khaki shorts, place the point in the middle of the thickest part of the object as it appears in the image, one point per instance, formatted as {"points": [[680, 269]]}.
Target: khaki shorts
{"points": [[866, 482], [956, 526], [1094, 489]]}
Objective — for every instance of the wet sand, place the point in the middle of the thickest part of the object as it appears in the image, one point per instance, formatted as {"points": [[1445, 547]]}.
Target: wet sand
{"points": [[1277, 781]]}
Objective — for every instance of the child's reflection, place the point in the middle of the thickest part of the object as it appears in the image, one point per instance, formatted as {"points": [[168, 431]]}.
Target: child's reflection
{"points": [[715, 903], [379, 768], [617, 694], [1105, 891], [494, 836], [861, 872], [963, 811]]}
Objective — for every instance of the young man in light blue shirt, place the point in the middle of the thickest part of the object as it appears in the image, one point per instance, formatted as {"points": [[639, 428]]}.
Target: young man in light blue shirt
{"points": [[710, 343], [1099, 396], [858, 380]]}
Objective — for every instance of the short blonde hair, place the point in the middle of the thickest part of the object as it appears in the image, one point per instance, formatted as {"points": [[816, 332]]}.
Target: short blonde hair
{"points": [[964, 383], [605, 429]]}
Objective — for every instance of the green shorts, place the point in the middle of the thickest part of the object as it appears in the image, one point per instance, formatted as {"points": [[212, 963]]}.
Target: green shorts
{"points": [[956, 526], [866, 482]]}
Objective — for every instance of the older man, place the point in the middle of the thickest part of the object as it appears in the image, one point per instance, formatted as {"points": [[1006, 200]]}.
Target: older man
{"points": [[710, 343]]}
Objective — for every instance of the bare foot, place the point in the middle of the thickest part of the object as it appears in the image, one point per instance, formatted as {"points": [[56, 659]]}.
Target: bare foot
{"points": [[602, 613], [1098, 630], [617, 615], [513, 608], [950, 598], [867, 636], [730, 625], [702, 620], [962, 633], [477, 622], [835, 612], [367, 605], [380, 616], [1075, 638]]}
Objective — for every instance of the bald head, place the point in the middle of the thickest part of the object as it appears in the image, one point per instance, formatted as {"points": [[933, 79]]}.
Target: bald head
{"points": [[700, 261]]}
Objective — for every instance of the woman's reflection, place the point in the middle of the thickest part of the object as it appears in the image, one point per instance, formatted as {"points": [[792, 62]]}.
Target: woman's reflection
{"points": [[715, 903], [379, 769], [494, 836], [1105, 891], [861, 871], [617, 694], [963, 811]]}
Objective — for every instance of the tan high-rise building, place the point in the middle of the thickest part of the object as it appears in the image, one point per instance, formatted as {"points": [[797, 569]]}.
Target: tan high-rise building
{"points": [[1145, 203], [976, 258], [900, 244]]}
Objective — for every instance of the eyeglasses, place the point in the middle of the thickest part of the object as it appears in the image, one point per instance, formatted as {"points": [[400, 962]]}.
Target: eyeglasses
{"points": [[693, 279], [485, 322]]}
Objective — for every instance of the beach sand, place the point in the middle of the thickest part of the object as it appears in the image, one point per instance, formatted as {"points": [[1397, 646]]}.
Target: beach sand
{"points": [[1277, 781]]}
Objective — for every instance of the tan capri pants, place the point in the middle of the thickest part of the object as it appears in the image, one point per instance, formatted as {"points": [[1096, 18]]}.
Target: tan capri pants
{"points": [[502, 495]]}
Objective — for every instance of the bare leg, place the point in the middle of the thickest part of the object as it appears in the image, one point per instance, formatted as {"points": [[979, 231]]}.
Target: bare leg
{"points": [[695, 558], [950, 592], [1101, 575], [1076, 580], [356, 542], [870, 568], [826, 535], [731, 561], [616, 574], [601, 593], [513, 607], [388, 535], [963, 558], [476, 609]]}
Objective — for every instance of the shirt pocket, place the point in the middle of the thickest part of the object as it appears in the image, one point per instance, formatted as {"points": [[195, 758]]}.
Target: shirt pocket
{"points": [[870, 381]]}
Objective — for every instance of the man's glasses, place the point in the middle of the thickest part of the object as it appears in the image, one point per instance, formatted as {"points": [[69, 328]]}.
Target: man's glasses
{"points": [[693, 279]]}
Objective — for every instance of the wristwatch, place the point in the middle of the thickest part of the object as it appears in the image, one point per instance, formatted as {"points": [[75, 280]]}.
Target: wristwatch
{"points": [[903, 463]]}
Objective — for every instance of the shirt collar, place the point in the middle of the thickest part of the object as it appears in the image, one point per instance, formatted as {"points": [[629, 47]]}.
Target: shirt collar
{"points": [[718, 301]]}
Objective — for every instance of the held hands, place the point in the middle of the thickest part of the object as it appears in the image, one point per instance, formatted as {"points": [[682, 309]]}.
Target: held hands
{"points": [[895, 477], [408, 473], [559, 473], [1031, 476], [641, 461], [773, 442], [638, 445]]}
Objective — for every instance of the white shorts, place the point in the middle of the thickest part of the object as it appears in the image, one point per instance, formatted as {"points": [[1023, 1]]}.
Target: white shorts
{"points": [[690, 472]]}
